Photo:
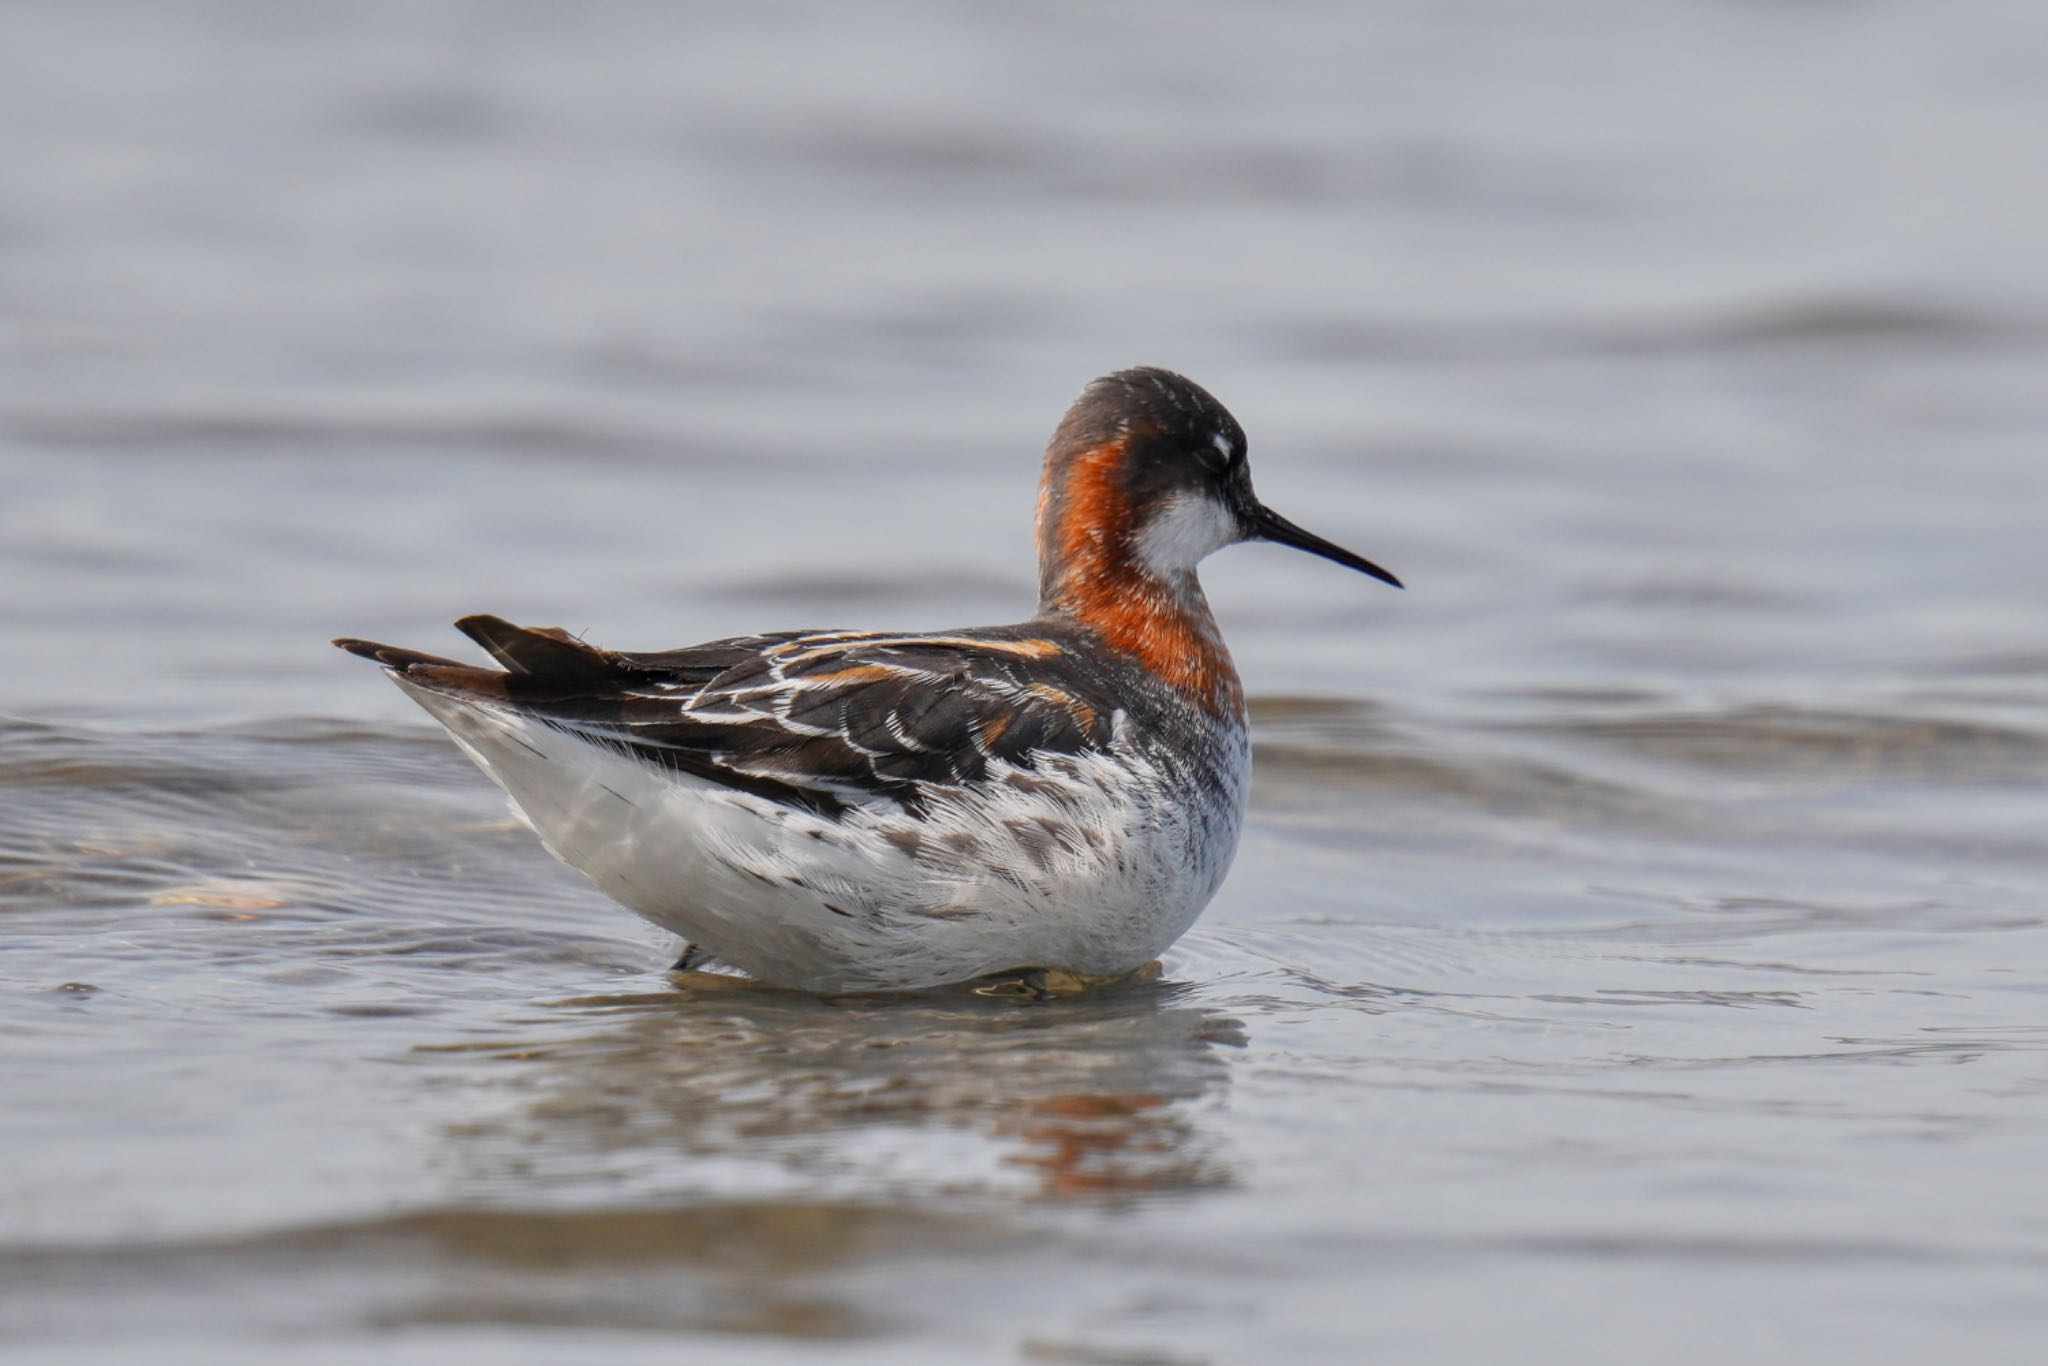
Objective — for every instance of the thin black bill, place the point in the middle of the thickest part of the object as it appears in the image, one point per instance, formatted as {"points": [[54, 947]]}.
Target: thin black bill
{"points": [[1269, 525]]}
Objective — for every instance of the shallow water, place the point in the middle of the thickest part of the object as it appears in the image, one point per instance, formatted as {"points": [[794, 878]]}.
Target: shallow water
{"points": [[1639, 950]]}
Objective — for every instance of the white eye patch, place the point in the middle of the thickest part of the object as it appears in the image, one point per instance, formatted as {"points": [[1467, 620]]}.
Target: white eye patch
{"points": [[1222, 443]]}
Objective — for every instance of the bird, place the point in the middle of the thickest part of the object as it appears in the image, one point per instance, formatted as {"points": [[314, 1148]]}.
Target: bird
{"points": [[844, 811]]}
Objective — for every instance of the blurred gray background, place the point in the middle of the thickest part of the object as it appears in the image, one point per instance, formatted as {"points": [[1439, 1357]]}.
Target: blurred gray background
{"points": [[669, 321]]}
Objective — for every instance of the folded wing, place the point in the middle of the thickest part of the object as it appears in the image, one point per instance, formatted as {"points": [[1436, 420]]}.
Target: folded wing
{"points": [[822, 720]]}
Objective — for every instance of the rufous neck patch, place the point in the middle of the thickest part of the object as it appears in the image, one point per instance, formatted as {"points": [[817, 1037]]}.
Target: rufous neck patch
{"points": [[1090, 571]]}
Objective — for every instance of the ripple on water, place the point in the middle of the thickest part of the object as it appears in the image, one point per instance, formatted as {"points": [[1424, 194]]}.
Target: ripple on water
{"points": [[1791, 742], [777, 1268]]}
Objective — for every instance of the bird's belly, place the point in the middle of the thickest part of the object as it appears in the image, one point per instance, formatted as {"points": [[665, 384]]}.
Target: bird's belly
{"points": [[982, 881]]}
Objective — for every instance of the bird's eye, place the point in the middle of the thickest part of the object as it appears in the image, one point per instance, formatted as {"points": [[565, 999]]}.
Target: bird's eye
{"points": [[1216, 455]]}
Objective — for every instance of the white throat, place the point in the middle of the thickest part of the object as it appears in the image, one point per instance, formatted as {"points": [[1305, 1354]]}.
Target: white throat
{"points": [[1183, 531]]}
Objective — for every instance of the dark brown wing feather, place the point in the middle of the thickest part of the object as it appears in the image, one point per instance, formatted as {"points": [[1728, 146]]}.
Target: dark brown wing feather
{"points": [[816, 719], [540, 652]]}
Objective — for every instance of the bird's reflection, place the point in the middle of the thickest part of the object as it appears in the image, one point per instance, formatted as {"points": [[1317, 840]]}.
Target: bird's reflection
{"points": [[1087, 1097]]}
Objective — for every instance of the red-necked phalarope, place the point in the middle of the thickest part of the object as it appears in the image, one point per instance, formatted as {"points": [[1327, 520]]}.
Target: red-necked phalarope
{"points": [[863, 810]]}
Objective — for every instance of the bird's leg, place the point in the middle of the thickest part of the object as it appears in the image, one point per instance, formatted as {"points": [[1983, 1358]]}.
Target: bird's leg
{"points": [[1036, 985], [1020, 984]]}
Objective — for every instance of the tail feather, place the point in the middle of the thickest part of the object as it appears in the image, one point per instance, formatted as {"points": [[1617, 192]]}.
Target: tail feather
{"points": [[547, 655], [394, 656], [449, 674], [541, 663]]}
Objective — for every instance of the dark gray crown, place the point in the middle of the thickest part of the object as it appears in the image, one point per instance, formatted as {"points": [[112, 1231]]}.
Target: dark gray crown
{"points": [[1148, 403]]}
